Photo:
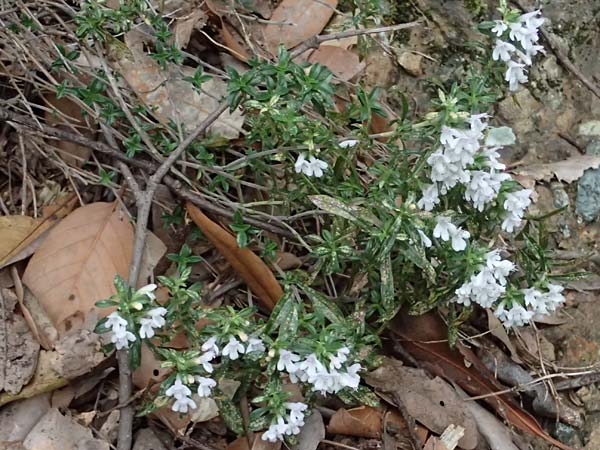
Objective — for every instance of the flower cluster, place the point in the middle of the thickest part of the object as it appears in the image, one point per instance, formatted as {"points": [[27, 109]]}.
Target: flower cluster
{"points": [[454, 163], [154, 318], [286, 425], [310, 167], [183, 396], [517, 45], [536, 303], [327, 380], [487, 286]]}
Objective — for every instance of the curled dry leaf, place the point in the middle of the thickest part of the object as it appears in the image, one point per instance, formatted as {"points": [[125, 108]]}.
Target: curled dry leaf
{"points": [[425, 338], [250, 267], [431, 402], [364, 421], [173, 99], [568, 170], [298, 20], [18, 348], [344, 64], [78, 261]]}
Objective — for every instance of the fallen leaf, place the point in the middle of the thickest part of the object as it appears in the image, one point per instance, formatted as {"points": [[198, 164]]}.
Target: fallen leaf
{"points": [[286, 260], [18, 418], [364, 421], [260, 444], [78, 261], [425, 338], [250, 267], [498, 331], [185, 26], [344, 64], [303, 19], [240, 443], [57, 432], [18, 348], [154, 250], [311, 434], [431, 402], [76, 354], [568, 170], [145, 439], [66, 110], [173, 99]]}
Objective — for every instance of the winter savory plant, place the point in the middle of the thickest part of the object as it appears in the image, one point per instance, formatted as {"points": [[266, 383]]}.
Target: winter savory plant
{"points": [[431, 219]]}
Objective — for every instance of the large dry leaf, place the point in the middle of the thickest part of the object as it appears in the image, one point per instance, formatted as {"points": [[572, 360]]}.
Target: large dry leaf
{"points": [[57, 432], [432, 402], [364, 421], [71, 153], [303, 19], [18, 418], [250, 267], [18, 349], [78, 261], [568, 170], [171, 98], [344, 64], [425, 338]]}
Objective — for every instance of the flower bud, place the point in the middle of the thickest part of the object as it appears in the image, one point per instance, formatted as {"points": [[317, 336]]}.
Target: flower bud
{"points": [[243, 336], [137, 306], [191, 379]]}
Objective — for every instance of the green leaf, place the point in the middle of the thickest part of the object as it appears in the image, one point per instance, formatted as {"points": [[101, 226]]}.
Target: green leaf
{"points": [[282, 308], [324, 305], [259, 419], [339, 208], [388, 297], [135, 354], [500, 136], [106, 303], [231, 416]]}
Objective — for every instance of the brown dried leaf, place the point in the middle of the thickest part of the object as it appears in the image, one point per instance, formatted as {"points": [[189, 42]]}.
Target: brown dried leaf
{"points": [[311, 434], [171, 98], [303, 19], [250, 267], [425, 338], [64, 109], [78, 261], [432, 402], [364, 421], [186, 25], [18, 348], [568, 170], [344, 64], [18, 418]]}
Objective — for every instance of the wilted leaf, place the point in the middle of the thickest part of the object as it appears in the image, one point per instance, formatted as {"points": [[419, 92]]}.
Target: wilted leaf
{"points": [[341, 209], [568, 170], [185, 26], [432, 402], [425, 338], [364, 421], [57, 432], [78, 261], [344, 64], [173, 99], [250, 267], [303, 18], [63, 111], [18, 349]]}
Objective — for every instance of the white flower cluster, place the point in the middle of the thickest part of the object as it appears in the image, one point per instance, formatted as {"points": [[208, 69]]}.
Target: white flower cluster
{"points": [[153, 319], [487, 286], [446, 230], [536, 302], [450, 167], [310, 167], [288, 425], [523, 32], [232, 350], [327, 380]]}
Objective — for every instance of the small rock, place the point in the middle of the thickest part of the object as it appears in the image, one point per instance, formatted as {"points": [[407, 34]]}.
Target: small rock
{"points": [[593, 148], [519, 110], [145, 439], [588, 195], [412, 63], [590, 396], [550, 68], [590, 128], [561, 198], [18, 418]]}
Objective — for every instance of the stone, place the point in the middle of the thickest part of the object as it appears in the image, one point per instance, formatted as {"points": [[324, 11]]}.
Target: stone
{"points": [[587, 203], [18, 418], [590, 128], [411, 63], [519, 111], [593, 148]]}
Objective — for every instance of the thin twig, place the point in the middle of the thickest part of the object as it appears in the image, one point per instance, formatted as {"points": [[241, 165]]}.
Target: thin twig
{"points": [[315, 41]]}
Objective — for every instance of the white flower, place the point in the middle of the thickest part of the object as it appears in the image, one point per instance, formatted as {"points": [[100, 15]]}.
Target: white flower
{"points": [[430, 197], [233, 348], [178, 389], [313, 167], [485, 289], [442, 228], [554, 297], [425, 239], [459, 239], [287, 361], [340, 358], [500, 27], [500, 268], [115, 321], [463, 294], [515, 74], [156, 315], [296, 411], [211, 345], [181, 404], [493, 156], [276, 431], [484, 187], [510, 222], [517, 202], [121, 338], [503, 50], [515, 316], [348, 143], [204, 360], [534, 299], [146, 328], [255, 345], [446, 230], [148, 291], [205, 386], [351, 378]]}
